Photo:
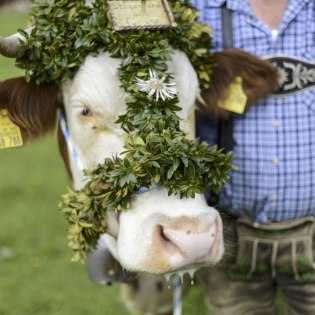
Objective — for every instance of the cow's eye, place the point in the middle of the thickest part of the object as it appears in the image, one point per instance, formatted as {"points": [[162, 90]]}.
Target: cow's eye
{"points": [[86, 112]]}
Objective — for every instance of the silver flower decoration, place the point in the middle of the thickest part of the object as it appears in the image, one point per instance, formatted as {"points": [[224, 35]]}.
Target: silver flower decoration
{"points": [[156, 86]]}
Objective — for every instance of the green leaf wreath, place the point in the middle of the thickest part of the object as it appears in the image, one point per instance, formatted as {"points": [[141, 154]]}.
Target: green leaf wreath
{"points": [[157, 151]]}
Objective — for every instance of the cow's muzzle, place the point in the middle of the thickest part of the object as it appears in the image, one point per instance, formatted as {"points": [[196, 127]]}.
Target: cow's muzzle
{"points": [[191, 244]]}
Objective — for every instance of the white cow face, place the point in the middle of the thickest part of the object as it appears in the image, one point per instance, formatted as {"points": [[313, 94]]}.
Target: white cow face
{"points": [[158, 234]]}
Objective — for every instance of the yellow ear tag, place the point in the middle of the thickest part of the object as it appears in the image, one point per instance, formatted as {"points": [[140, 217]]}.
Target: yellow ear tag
{"points": [[236, 98], [10, 133]]}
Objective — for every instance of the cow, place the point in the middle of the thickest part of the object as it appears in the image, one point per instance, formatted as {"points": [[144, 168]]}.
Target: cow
{"points": [[150, 239]]}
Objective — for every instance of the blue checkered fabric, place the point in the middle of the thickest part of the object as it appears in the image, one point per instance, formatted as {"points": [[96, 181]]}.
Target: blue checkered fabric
{"points": [[275, 139]]}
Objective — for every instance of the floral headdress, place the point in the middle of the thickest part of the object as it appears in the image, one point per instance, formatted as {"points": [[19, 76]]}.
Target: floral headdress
{"points": [[65, 33]]}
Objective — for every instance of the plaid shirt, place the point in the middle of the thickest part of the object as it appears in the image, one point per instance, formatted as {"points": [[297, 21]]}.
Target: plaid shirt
{"points": [[275, 139]]}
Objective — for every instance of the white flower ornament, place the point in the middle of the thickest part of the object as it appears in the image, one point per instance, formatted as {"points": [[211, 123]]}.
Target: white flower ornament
{"points": [[156, 86]]}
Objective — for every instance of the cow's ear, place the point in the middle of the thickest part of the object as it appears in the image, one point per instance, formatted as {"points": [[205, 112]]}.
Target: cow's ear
{"points": [[259, 77], [30, 106]]}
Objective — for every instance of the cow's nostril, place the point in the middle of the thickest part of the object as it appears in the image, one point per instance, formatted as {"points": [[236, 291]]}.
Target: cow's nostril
{"points": [[168, 245], [162, 234]]}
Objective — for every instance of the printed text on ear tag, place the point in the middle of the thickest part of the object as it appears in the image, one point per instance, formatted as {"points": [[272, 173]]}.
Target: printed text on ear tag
{"points": [[236, 98], [10, 133]]}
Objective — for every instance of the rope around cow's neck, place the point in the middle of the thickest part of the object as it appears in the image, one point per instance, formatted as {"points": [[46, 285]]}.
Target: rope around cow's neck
{"points": [[70, 145]]}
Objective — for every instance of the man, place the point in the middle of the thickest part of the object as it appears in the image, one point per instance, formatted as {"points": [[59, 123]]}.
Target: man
{"points": [[269, 204]]}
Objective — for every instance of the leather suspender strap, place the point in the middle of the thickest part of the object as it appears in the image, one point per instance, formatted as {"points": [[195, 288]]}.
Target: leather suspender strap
{"points": [[225, 139], [227, 27], [226, 126]]}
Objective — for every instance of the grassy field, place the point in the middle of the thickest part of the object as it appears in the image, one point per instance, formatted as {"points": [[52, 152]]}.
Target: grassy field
{"points": [[36, 275]]}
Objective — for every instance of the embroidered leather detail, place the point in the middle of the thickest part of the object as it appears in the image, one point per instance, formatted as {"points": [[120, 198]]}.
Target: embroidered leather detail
{"points": [[295, 74]]}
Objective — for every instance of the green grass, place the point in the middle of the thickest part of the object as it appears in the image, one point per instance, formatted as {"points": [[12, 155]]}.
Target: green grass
{"points": [[39, 279]]}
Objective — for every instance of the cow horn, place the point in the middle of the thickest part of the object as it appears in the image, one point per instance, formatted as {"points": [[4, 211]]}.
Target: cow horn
{"points": [[11, 46]]}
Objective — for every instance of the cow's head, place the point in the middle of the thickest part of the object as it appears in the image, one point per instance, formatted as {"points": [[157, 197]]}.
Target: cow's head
{"points": [[159, 233]]}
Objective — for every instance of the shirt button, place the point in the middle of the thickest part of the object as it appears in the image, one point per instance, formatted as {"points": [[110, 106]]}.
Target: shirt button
{"points": [[275, 123], [274, 197], [275, 161]]}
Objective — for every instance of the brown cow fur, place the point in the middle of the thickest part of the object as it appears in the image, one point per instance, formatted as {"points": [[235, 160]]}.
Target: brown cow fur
{"points": [[260, 78], [32, 107]]}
